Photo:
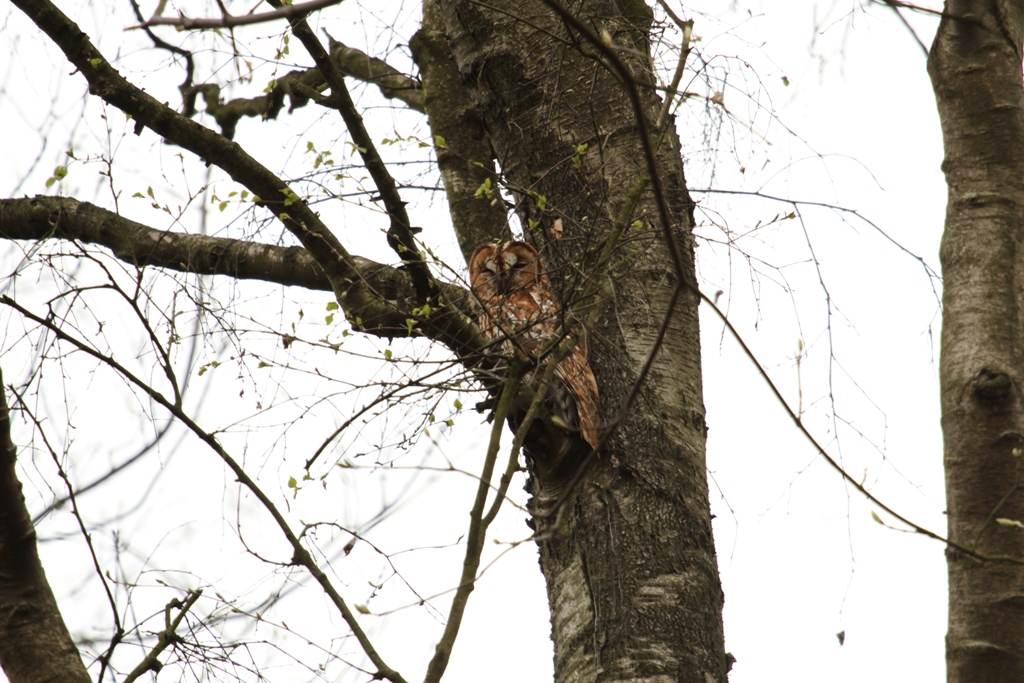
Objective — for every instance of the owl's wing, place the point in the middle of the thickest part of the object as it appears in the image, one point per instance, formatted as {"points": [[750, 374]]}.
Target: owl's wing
{"points": [[577, 377]]}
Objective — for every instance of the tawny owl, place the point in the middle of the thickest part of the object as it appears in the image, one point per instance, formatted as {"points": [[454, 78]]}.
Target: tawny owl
{"points": [[521, 312]]}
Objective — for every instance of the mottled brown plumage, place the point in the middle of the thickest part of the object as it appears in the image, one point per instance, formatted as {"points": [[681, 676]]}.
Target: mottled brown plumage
{"points": [[522, 314]]}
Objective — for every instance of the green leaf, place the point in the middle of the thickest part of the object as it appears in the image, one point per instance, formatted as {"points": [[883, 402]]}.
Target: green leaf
{"points": [[332, 305], [484, 190], [560, 423], [387, 354], [439, 142]]}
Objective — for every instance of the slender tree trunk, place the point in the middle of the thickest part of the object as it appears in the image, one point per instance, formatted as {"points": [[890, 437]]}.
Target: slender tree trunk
{"points": [[975, 66], [35, 646], [630, 562]]}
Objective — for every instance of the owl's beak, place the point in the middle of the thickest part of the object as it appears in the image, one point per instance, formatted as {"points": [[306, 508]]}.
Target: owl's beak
{"points": [[504, 281]]}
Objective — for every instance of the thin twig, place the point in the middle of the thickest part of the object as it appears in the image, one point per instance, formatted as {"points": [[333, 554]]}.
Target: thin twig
{"points": [[670, 94], [301, 556], [895, 7], [167, 637], [76, 513]]}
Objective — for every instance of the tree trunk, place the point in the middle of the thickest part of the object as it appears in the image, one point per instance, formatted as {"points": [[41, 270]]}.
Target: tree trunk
{"points": [[629, 562], [463, 148], [975, 66], [35, 646]]}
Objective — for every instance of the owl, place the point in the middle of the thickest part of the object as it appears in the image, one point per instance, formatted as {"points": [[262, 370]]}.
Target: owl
{"points": [[522, 315]]}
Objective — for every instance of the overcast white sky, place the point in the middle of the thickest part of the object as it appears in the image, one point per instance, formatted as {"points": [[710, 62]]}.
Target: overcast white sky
{"points": [[800, 557]]}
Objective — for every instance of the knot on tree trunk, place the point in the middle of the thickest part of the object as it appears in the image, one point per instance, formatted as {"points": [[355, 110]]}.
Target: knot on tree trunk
{"points": [[991, 388]]}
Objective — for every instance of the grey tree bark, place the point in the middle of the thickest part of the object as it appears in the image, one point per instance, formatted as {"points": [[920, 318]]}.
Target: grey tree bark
{"points": [[629, 562], [975, 67]]}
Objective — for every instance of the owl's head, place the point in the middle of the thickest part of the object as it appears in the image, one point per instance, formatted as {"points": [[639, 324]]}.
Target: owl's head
{"points": [[500, 269]]}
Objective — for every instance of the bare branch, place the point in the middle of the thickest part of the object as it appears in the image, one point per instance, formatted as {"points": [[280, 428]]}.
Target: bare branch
{"points": [[42, 218], [229, 21], [301, 86], [393, 84]]}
